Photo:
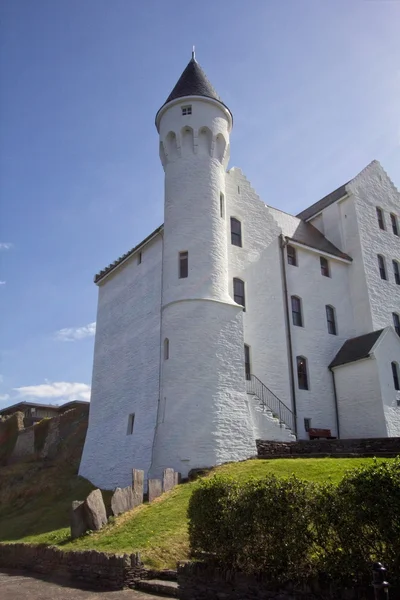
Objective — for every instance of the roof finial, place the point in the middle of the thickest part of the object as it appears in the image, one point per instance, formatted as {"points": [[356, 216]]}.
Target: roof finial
{"points": [[193, 53]]}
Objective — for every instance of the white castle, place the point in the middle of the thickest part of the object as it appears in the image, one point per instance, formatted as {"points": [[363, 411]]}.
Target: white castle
{"points": [[234, 321]]}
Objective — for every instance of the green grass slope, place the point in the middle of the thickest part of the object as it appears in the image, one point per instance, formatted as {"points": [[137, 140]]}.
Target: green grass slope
{"points": [[158, 530]]}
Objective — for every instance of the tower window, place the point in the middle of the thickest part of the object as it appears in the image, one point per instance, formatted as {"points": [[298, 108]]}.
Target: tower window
{"points": [[236, 232], [131, 422], [382, 267], [247, 365], [291, 256], [396, 322], [296, 311], [381, 220], [396, 378], [139, 258], [324, 266], [330, 319], [395, 226], [166, 349], [221, 205], [396, 271], [307, 424], [187, 110], [302, 376], [183, 264], [238, 292]]}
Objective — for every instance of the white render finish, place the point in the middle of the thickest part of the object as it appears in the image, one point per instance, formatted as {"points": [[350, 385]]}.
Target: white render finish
{"points": [[192, 408]]}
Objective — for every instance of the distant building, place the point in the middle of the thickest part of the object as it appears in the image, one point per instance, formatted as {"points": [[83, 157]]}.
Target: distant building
{"points": [[234, 320], [35, 412]]}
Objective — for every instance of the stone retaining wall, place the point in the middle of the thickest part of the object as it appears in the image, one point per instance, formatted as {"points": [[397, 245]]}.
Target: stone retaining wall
{"points": [[357, 447]]}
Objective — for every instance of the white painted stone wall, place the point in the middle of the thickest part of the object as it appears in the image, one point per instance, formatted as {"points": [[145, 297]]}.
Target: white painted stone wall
{"points": [[125, 371], [359, 400], [386, 352]]}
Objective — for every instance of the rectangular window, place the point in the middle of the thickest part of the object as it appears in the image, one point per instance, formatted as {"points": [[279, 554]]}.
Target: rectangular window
{"points": [[382, 267], [236, 232], [395, 371], [186, 110], [396, 271], [307, 424], [395, 226], [131, 421], [324, 266], [238, 292], [302, 377], [183, 264], [379, 214], [296, 311], [247, 366], [396, 323], [221, 205], [291, 256], [139, 258], [330, 319]]}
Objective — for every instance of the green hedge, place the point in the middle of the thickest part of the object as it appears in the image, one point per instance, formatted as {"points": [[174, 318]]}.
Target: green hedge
{"points": [[292, 529]]}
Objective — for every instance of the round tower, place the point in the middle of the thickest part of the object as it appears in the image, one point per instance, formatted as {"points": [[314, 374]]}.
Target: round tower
{"points": [[203, 417]]}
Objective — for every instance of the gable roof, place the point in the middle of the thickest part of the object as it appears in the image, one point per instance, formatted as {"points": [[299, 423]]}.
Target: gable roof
{"points": [[23, 405], [323, 203], [356, 348]]}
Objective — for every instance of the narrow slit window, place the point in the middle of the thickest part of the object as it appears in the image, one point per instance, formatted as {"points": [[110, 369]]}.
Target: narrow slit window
{"points": [[330, 319], [302, 376], [396, 271], [238, 292], [291, 256], [166, 349], [297, 315], [395, 225], [247, 365], [186, 110], [139, 258], [396, 323], [396, 378], [183, 264], [221, 206], [236, 232], [131, 422], [381, 220], [324, 266], [382, 267]]}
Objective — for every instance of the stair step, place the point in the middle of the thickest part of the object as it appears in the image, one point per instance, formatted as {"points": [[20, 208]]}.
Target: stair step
{"points": [[160, 587]]}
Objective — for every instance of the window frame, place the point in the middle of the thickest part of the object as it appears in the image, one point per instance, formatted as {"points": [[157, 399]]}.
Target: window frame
{"points": [[307, 424], [382, 267], [131, 424], [292, 256], [395, 224], [237, 280], [331, 322], [381, 218], [396, 271], [186, 110], [183, 264], [236, 236], [247, 362], [324, 266], [396, 375], [302, 374], [297, 312], [396, 323]]}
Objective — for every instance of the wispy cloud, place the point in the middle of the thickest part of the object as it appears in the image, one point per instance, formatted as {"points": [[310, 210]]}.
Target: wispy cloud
{"points": [[5, 245], [72, 334], [60, 390], [4, 397], [2, 283]]}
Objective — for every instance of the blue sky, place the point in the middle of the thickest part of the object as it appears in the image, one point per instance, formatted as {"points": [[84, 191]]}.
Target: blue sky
{"points": [[314, 88]]}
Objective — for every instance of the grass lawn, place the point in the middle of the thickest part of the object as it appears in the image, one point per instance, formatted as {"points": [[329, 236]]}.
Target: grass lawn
{"points": [[158, 530]]}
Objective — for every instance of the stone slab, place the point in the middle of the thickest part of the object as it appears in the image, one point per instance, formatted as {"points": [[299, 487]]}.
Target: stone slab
{"points": [[177, 478], [78, 519], [122, 500], [155, 489], [137, 486], [168, 480], [95, 510]]}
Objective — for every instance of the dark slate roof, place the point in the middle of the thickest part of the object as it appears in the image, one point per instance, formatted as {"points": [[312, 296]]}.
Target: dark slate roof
{"points": [[121, 259], [308, 235], [356, 348], [21, 406], [323, 203]]}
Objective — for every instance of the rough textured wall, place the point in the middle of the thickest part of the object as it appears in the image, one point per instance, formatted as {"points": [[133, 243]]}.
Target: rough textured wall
{"points": [[25, 444], [9, 429], [388, 351], [204, 419], [359, 400], [257, 263], [125, 372]]}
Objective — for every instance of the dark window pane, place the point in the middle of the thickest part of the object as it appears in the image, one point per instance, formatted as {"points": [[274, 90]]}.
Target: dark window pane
{"points": [[183, 264], [330, 318], [396, 271], [396, 323], [324, 266], [302, 373], [379, 214], [395, 227], [238, 292], [296, 311], [395, 371], [291, 256], [236, 232], [247, 366], [382, 268]]}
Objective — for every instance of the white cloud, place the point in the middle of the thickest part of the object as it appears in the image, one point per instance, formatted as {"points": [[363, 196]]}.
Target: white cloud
{"points": [[4, 397], [62, 390], [5, 245], [2, 283], [72, 334]]}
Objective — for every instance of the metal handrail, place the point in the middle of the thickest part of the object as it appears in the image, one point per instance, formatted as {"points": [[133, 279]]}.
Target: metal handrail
{"points": [[268, 399]]}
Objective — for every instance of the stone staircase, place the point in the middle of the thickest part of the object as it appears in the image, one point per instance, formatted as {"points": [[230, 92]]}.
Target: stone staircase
{"points": [[164, 584], [266, 424]]}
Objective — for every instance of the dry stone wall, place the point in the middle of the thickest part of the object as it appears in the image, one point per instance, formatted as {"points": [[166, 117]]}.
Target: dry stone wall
{"points": [[359, 447]]}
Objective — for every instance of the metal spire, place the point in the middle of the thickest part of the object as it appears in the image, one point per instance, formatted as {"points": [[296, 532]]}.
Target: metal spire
{"points": [[193, 53]]}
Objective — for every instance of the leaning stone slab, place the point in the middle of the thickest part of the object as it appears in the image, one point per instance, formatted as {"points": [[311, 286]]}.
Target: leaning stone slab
{"points": [[137, 486], [168, 480], [155, 489], [95, 510], [78, 519], [122, 501], [177, 478]]}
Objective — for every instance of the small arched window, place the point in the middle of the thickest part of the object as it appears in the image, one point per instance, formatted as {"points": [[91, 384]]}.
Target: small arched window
{"points": [[330, 319], [396, 271], [291, 256], [382, 267], [236, 232], [297, 315], [166, 349], [381, 221], [302, 376], [396, 322], [396, 377], [395, 226]]}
